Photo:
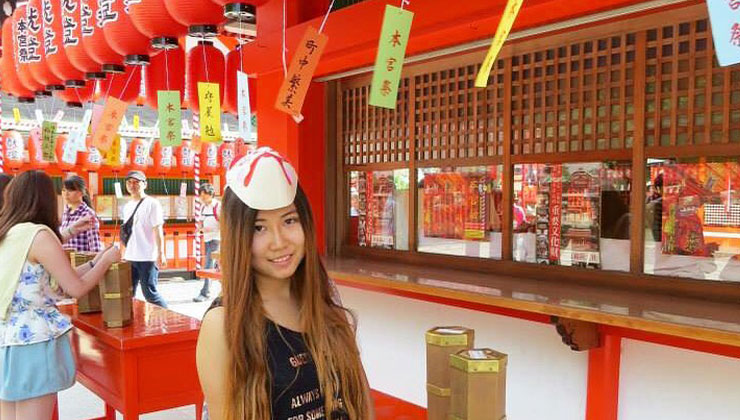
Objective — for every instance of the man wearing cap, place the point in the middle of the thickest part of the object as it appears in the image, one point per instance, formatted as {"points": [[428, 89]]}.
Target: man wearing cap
{"points": [[145, 249]]}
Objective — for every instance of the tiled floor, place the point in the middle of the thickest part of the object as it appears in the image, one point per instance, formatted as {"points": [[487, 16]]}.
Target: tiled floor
{"points": [[77, 403]]}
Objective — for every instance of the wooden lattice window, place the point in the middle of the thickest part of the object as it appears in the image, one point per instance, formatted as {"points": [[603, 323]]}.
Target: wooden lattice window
{"points": [[374, 135], [575, 97], [690, 100], [456, 120]]}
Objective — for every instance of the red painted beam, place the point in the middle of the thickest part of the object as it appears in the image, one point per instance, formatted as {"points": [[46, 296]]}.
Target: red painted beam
{"points": [[353, 31], [602, 398], [672, 341]]}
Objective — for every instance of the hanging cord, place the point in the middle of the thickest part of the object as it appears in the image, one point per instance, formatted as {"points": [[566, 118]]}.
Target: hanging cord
{"points": [[285, 65], [110, 85], [205, 64], [326, 17], [130, 76], [405, 3], [166, 69]]}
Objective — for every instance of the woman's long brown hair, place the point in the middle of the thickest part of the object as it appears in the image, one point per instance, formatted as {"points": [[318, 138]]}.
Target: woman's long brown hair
{"points": [[327, 330], [30, 197]]}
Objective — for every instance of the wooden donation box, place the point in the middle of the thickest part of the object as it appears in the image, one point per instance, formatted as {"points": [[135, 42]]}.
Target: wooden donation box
{"points": [[89, 303], [441, 343], [478, 385], [116, 291]]}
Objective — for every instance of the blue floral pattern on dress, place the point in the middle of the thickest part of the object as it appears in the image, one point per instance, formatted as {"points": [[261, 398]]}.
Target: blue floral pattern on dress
{"points": [[33, 316]]}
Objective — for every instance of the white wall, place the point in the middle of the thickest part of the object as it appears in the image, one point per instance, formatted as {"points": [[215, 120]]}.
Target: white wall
{"points": [[546, 380], [660, 382]]}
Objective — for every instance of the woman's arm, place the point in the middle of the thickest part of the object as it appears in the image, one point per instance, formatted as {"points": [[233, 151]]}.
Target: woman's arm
{"points": [[212, 359], [47, 251]]}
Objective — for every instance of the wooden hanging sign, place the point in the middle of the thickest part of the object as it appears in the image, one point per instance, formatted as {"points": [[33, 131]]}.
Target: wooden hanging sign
{"points": [[300, 73], [394, 37]]}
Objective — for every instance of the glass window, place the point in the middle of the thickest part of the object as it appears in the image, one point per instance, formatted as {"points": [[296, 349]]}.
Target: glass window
{"points": [[692, 218], [379, 208], [459, 211], [573, 214]]}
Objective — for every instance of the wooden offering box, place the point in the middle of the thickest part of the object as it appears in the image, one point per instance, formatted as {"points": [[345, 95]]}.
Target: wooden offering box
{"points": [[91, 301], [441, 343], [478, 385], [116, 291]]}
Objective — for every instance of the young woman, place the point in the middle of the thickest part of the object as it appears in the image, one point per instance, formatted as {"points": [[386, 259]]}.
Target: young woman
{"points": [[35, 354], [276, 345], [79, 207]]}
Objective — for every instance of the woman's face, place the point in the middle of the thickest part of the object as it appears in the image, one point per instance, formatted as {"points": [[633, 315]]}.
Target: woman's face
{"points": [[278, 245], [72, 197]]}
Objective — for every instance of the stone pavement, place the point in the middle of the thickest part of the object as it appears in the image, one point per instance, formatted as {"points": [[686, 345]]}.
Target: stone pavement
{"points": [[77, 403]]}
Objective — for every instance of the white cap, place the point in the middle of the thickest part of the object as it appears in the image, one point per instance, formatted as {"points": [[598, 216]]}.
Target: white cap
{"points": [[263, 180]]}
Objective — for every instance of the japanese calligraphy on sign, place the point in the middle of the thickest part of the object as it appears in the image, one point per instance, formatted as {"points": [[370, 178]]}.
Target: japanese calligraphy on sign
{"points": [[170, 125], [69, 152], [48, 140], [724, 16], [113, 156], [105, 13], [394, 36], [107, 126], [556, 197], [209, 101], [502, 32], [302, 67], [86, 19], [34, 36], [243, 105]]}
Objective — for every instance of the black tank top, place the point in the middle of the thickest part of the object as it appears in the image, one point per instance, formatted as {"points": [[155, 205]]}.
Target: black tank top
{"points": [[295, 391]]}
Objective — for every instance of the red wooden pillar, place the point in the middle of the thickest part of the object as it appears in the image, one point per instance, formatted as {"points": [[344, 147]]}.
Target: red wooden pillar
{"points": [[602, 399]]}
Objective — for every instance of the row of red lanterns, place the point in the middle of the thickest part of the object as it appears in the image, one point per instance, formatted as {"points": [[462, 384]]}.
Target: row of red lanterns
{"points": [[70, 43], [165, 160]]}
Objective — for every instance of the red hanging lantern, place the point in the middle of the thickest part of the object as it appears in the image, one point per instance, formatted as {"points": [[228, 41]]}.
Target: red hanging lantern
{"points": [[205, 63], [35, 153], [244, 11], [73, 23], [10, 80], [231, 94], [202, 17], [139, 155], [36, 48], [226, 154], [64, 164], [209, 158], [77, 94], [23, 63], [185, 157], [93, 37], [56, 56], [166, 72], [152, 19], [123, 36], [124, 86], [91, 159], [162, 157], [13, 147]]}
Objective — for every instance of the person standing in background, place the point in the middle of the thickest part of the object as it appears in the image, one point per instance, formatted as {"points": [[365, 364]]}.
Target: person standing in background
{"points": [[78, 207], [209, 226]]}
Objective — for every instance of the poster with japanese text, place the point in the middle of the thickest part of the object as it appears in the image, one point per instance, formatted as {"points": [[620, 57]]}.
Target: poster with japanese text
{"points": [[295, 86], [170, 114], [394, 37], [48, 140], [724, 16], [502, 32], [108, 125], [210, 112]]}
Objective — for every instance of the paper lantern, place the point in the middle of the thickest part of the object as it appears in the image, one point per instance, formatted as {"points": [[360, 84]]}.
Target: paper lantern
{"points": [[209, 158], [13, 148], [205, 63], [245, 11], [56, 56], [202, 17], [139, 155], [10, 80], [165, 72], [93, 37], [122, 35], [37, 49], [152, 19], [163, 158], [231, 94], [185, 158], [75, 17], [124, 86], [92, 159], [23, 63], [81, 94], [63, 141], [35, 153], [226, 153]]}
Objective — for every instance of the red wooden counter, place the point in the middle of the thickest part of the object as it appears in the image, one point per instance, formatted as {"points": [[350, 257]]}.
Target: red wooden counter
{"points": [[144, 367]]}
